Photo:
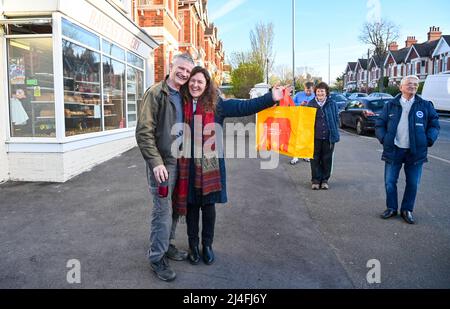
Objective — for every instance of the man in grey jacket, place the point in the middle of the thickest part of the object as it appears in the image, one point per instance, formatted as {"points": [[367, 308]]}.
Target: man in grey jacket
{"points": [[161, 110]]}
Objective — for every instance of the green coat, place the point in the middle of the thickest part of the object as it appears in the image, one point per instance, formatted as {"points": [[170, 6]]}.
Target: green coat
{"points": [[157, 116]]}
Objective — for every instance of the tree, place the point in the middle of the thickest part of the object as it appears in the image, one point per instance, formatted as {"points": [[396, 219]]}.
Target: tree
{"points": [[283, 74], [339, 85], [238, 58], [261, 39], [244, 78], [378, 35]]}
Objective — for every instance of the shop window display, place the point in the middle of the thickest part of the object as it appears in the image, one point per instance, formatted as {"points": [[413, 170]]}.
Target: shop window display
{"points": [[31, 87], [135, 85], [114, 94], [82, 100]]}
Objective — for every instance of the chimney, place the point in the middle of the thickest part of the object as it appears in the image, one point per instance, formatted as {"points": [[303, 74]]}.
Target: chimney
{"points": [[393, 46], [434, 34], [410, 41]]}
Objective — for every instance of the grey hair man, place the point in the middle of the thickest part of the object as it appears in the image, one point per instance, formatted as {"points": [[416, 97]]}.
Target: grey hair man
{"points": [[406, 127], [162, 110]]}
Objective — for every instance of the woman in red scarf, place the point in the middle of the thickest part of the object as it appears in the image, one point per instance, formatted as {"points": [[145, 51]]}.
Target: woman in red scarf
{"points": [[202, 181]]}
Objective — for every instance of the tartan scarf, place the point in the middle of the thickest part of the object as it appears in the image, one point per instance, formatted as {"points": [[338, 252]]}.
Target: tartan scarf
{"points": [[207, 171]]}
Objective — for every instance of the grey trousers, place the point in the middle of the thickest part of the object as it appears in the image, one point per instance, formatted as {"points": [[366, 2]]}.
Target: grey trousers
{"points": [[163, 221]]}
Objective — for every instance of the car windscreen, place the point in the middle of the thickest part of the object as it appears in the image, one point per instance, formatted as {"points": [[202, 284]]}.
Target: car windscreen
{"points": [[338, 97], [376, 105]]}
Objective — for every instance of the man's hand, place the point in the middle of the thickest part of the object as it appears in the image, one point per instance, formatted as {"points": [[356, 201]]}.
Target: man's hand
{"points": [[278, 94], [161, 173]]}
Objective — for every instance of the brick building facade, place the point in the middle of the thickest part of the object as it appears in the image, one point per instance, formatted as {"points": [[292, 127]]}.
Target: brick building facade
{"points": [[181, 26]]}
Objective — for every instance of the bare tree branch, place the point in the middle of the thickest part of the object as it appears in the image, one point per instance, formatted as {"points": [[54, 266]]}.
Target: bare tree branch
{"points": [[261, 39]]}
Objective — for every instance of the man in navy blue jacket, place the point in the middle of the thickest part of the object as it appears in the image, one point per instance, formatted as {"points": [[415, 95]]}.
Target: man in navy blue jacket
{"points": [[406, 127]]}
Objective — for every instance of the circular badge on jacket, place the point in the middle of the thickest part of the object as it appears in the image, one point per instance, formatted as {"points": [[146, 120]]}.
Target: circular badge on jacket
{"points": [[419, 114]]}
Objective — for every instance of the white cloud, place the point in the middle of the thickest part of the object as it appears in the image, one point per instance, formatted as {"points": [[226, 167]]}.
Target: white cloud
{"points": [[226, 8], [374, 11]]}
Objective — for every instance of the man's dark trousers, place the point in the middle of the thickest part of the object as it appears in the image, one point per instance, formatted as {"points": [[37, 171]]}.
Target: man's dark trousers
{"points": [[413, 172]]}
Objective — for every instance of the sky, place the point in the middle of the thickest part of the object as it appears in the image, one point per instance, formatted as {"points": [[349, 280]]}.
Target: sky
{"points": [[320, 24]]}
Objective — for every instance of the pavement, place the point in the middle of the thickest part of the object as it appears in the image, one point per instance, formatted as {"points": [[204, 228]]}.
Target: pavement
{"points": [[273, 233]]}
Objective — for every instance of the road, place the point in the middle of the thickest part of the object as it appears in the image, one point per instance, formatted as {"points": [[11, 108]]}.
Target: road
{"points": [[275, 232]]}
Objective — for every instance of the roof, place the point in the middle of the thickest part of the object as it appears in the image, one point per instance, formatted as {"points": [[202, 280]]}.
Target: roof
{"points": [[447, 39], [363, 63], [426, 49], [377, 59], [352, 65], [209, 30], [400, 55]]}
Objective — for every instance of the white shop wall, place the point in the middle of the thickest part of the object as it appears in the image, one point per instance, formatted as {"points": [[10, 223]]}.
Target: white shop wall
{"points": [[4, 168]]}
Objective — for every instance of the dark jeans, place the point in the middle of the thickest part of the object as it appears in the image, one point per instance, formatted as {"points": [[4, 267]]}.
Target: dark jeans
{"points": [[322, 162], [208, 222], [413, 172]]}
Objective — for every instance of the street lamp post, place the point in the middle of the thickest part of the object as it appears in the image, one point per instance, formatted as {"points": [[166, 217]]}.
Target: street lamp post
{"points": [[267, 71], [329, 63]]}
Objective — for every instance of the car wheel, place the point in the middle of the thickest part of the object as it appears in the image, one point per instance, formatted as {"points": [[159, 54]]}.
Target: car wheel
{"points": [[359, 127], [341, 123]]}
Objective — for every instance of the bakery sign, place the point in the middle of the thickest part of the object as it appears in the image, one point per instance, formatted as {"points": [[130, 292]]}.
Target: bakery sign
{"points": [[107, 26]]}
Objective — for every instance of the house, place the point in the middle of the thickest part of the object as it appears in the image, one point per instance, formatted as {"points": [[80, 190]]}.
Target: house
{"points": [[181, 26], [419, 60], [374, 68], [441, 56], [159, 19], [350, 76], [394, 64], [361, 74]]}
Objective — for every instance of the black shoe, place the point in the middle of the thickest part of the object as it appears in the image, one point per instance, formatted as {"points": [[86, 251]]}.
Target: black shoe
{"points": [[194, 255], [208, 255], [408, 216], [163, 271], [175, 254], [388, 213]]}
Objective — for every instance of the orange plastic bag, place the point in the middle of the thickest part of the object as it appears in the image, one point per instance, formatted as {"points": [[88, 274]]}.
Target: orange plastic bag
{"points": [[287, 130], [286, 100]]}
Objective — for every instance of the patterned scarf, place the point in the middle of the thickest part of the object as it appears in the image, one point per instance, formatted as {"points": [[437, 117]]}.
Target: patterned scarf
{"points": [[207, 171]]}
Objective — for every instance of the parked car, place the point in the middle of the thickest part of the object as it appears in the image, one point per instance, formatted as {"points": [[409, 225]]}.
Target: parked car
{"points": [[356, 95], [361, 114], [380, 95], [347, 94], [341, 101], [437, 90]]}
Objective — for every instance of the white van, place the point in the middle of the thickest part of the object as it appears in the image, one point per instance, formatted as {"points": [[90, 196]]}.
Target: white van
{"points": [[437, 90]]}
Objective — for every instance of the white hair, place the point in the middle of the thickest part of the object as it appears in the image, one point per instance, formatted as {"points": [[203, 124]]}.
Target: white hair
{"points": [[404, 79], [184, 56]]}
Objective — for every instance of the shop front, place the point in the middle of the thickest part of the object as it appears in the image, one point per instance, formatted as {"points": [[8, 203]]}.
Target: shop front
{"points": [[74, 76]]}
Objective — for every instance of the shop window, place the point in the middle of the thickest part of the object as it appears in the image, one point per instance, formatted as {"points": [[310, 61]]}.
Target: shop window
{"points": [[82, 101], [113, 50], [31, 93], [79, 34], [114, 94], [135, 60], [135, 90]]}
